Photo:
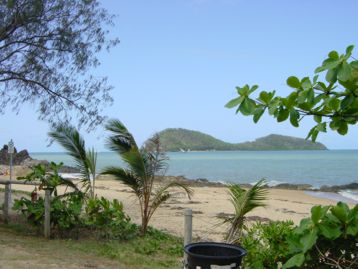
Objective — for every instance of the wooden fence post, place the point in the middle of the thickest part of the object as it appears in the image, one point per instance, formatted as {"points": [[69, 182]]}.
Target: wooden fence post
{"points": [[188, 226], [188, 230], [7, 203], [47, 222]]}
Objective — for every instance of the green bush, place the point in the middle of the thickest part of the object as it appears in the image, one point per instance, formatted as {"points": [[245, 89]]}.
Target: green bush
{"points": [[266, 244], [65, 208], [328, 239], [109, 219], [65, 211]]}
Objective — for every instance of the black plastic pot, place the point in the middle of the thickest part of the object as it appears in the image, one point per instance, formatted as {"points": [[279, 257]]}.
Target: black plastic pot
{"points": [[207, 254]]}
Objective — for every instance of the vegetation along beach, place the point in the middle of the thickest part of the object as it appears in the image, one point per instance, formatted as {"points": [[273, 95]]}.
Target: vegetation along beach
{"points": [[178, 134]]}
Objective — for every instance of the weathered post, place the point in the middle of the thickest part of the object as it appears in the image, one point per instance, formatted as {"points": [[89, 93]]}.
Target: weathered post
{"points": [[7, 203], [188, 226], [188, 230], [47, 222]]}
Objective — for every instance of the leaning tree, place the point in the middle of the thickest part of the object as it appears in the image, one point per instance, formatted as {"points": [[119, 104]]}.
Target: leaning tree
{"points": [[332, 102], [47, 49]]}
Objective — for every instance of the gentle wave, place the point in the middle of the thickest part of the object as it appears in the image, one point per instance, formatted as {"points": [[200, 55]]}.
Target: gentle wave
{"points": [[350, 194]]}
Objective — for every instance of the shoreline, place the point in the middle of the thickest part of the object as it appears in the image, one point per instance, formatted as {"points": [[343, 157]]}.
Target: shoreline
{"points": [[208, 204]]}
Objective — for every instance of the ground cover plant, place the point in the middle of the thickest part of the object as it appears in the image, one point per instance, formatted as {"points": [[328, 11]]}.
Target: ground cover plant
{"points": [[266, 244]]}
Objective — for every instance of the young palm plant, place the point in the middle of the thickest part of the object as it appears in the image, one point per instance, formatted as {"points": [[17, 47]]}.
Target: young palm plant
{"points": [[243, 201], [70, 139], [142, 168]]}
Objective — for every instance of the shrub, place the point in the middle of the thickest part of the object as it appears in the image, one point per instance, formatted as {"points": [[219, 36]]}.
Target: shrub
{"points": [[109, 219], [266, 244], [65, 211], [328, 239]]}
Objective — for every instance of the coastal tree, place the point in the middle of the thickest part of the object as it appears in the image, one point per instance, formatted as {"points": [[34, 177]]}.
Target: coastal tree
{"points": [[332, 102], [47, 49], [143, 166], [85, 160]]}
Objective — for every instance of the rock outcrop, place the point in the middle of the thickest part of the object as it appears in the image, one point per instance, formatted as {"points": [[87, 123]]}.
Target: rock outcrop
{"points": [[18, 158]]}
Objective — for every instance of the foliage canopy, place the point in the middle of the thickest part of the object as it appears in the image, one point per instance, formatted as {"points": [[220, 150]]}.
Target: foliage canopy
{"points": [[46, 50], [333, 103]]}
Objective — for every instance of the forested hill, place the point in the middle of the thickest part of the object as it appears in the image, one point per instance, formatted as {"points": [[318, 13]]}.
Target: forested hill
{"points": [[183, 139]]}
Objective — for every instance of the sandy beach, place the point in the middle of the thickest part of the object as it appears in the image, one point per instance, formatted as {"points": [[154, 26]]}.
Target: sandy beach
{"points": [[207, 203]]}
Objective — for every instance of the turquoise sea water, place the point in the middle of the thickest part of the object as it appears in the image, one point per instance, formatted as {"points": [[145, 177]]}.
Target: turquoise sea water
{"points": [[333, 167]]}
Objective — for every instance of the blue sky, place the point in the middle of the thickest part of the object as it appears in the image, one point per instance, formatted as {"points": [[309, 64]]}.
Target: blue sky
{"points": [[179, 61]]}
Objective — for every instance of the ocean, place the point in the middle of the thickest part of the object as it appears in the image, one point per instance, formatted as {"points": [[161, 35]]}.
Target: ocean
{"points": [[317, 168]]}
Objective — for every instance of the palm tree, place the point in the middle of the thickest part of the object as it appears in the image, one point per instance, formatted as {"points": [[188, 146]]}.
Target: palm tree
{"points": [[243, 201], [70, 139], [142, 168]]}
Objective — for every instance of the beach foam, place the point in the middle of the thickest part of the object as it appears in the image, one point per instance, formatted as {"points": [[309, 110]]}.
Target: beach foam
{"points": [[350, 194]]}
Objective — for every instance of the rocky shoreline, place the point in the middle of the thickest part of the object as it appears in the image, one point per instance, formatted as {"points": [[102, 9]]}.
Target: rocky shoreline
{"points": [[203, 182]]}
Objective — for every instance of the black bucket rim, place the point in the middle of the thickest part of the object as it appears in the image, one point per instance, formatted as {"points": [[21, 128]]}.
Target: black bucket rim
{"points": [[242, 250]]}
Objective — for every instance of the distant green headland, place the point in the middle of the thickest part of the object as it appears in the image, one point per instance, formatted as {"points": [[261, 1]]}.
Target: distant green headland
{"points": [[178, 139]]}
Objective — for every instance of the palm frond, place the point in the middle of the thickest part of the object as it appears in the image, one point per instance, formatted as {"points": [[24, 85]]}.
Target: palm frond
{"points": [[244, 201], [122, 142], [125, 176], [161, 194], [70, 139]]}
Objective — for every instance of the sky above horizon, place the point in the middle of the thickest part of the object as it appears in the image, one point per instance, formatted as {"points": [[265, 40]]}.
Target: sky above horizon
{"points": [[179, 61]]}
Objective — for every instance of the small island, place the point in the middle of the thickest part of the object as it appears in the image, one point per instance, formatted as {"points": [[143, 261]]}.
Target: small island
{"points": [[178, 139]]}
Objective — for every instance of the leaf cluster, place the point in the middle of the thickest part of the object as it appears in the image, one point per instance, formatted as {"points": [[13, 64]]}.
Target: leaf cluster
{"points": [[47, 48], [108, 219], [266, 244], [330, 229], [332, 103]]}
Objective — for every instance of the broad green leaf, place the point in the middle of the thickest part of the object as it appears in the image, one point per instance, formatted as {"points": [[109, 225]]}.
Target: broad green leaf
{"points": [[330, 231], [343, 128], [253, 88], [247, 107], [333, 55], [291, 99], [294, 116], [313, 133], [293, 82], [317, 118], [317, 212], [295, 261], [347, 101], [344, 72], [235, 102], [334, 103], [310, 96], [328, 64], [302, 97], [265, 97], [304, 225], [331, 76], [354, 64], [340, 212], [258, 113], [308, 240], [349, 50], [306, 83], [321, 127], [283, 115]]}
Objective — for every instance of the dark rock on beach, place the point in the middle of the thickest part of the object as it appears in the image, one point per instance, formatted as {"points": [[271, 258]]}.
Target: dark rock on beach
{"points": [[336, 188], [288, 186], [18, 157]]}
